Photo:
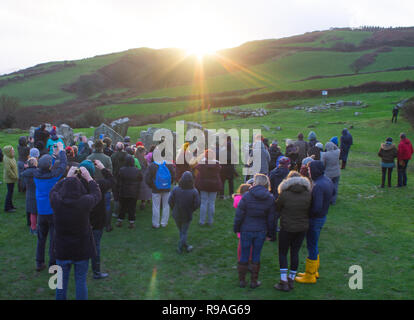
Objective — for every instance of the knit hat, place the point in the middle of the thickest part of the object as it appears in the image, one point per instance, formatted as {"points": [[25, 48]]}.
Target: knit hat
{"points": [[88, 164], [312, 136], [389, 140], [319, 145], [69, 151], [334, 140], [306, 161], [45, 162], [139, 143], [34, 153], [284, 162]]}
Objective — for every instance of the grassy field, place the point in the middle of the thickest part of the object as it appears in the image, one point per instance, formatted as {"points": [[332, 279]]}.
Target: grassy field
{"points": [[368, 226]]}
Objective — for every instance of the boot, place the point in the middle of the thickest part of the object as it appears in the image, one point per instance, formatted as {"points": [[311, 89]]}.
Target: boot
{"points": [[119, 223], [282, 286], [317, 270], [96, 267], [254, 282], [249, 266], [188, 248], [310, 273], [242, 269], [291, 283], [343, 164], [131, 225]]}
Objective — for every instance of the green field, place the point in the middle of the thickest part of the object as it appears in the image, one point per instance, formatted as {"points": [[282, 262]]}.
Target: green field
{"points": [[368, 226]]}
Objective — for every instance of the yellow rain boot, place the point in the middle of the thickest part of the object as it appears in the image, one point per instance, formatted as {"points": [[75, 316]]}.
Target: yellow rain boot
{"points": [[310, 272], [302, 274]]}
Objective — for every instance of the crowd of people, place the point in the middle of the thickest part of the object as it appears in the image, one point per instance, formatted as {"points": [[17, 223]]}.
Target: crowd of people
{"points": [[73, 191]]}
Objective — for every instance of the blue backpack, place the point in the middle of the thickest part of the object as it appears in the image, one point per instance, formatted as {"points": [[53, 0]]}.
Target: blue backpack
{"points": [[163, 177]]}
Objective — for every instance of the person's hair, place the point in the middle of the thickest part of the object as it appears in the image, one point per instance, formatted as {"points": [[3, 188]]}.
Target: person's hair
{"points": [[75, 150], [98, 145], [129, 150], [107, 141], [152, 148], [32, 162], [244, 187], [402, 135], [140, 155], [43, 126], [300, 136], [119, 146], [293, 174], [70, 152], [262, 180]]}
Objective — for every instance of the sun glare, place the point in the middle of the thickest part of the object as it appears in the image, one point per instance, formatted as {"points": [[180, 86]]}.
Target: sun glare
{"points": [[199, 51]]}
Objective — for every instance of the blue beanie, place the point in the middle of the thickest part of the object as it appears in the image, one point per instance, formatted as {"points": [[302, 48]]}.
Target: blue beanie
{"points": [[88, 164], [34, 152], [335, 140]]}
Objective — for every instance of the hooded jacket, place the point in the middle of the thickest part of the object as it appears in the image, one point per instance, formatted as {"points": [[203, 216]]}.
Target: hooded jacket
{"points": [[322, 191], [330, 160], [129, 179], [256, 212], [45, 179], [293, 204], [405, 149], [27, 176], [72, 204], [276, 176], [23, 150], [275, 152], [388, 152], [106, 161], [184, 199], [10, 172], [52, 142]]}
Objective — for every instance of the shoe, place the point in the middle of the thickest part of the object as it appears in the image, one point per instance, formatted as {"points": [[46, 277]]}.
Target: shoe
{"points": [[254, 282], [131, 225], [291, 283], [189, 248], [164, 226], [40, 267], [282, 286], [100, 275], [155, 227], [310, 272], [33, 231], [109, 228], [119, 224], [242, 269], [201, 224]]}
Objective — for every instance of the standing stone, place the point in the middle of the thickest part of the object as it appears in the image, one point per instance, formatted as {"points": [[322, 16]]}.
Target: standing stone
{"points": [[106, 131], [121, 126], [66, 132]]}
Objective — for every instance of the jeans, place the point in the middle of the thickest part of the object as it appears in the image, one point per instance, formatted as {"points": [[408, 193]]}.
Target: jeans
{"points": [[183, 229], [402, 173], [45, 225], [335, 182], [312, 236], [8, 204], [384, 171], [207, 206], [158, 200], [292, 241], [81, 271], [108, 208], [96, 261], [251, 239]]}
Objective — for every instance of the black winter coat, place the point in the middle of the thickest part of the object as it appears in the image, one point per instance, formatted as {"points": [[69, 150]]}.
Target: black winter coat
{"points": [[184, 199], [72, 205], [98, 214], [276, 176], [322, 191], [275, 152], [256, 212], [129, 181], [208, 177]]}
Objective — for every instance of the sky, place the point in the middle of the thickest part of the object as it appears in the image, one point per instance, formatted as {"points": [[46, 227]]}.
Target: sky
{"points": [[33, 32]]}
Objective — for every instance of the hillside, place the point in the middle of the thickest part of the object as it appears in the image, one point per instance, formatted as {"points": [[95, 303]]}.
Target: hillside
{"points": [[128, 83]]}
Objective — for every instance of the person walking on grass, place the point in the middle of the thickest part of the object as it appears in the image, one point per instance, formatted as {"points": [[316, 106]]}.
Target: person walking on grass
{"points": [[184, 199], [208, 183], [255, 220], [129, 181], [159, 178], [330, 160], [346, 143], [388, 152], [405, 151], [45, 177], [72, 204], [394, 114], [10, 177], [322, 192], [293, 206]]}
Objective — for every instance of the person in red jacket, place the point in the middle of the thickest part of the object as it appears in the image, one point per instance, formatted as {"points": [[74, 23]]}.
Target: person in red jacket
{"points": [[405, 151]]}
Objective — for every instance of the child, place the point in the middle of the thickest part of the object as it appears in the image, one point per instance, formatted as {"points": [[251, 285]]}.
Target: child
{"points": [[237, 197], [10, 177], [183, 201]]}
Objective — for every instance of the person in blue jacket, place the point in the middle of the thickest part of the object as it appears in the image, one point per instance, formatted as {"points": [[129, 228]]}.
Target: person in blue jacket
{"points": [[346, 143], [52, 143], [322, 192], [255, 220], [45, 178]]}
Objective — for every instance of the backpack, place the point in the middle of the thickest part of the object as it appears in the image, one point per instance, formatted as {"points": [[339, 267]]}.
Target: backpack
{"points": [[163, 177]]}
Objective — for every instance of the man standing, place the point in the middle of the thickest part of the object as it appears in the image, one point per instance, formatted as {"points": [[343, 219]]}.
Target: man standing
{"points": [[322, 192], [405, 151], [45, 177], [118, 161], [346, 143], [98, 154], [394, 114]]}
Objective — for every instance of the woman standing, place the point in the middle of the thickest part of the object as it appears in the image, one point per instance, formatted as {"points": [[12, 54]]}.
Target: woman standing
{"points": [[31, 207], [10, 177], [293, 205], [208, 182], [330, 160], [145, 192], [23, 150], [255, 220], [388, 152]]}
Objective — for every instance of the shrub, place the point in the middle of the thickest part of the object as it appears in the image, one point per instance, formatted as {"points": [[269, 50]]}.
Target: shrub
{"points": [[8, 107]]}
